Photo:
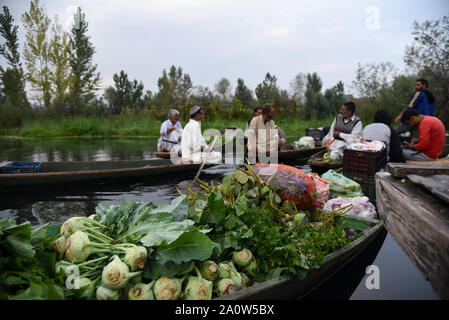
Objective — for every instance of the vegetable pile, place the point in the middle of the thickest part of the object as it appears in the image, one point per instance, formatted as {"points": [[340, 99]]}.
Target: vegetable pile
{"points": [[200, 246]]}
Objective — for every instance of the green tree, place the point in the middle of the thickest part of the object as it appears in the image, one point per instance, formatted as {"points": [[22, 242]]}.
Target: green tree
{"points": [[59, 55], [372, 79], [244, 94], [268, 91], [428, 56], [174, 87], [125, 94], [203, 97], [12, 78], [335, 96], [298, 87], [36, 52], [316, 103], [223, 87], [85, 80]]}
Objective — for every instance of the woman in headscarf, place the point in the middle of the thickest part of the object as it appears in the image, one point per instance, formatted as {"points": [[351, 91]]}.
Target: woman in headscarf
{"points": [[381, 130]]}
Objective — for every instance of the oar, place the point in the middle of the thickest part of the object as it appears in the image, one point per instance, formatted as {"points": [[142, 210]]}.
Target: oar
{"points": [[204, 162]]}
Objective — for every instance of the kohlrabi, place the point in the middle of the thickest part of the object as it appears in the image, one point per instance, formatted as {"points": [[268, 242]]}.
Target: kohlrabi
{"points": [[104, 293], [116, 274], [78, 247], [209, 270], [224, 287], [227, 270], [141, 291], [198, 288], [167, 289], [242, 258], [251, 269]]}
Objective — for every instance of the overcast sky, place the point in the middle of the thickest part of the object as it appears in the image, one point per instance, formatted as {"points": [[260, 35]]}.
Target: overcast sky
{"points": [[242, 39]]}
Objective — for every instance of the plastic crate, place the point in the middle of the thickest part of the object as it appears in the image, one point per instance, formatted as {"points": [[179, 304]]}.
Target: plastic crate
{"points": [[21, 167], [368, 186], [317, 134], [363, 163]]}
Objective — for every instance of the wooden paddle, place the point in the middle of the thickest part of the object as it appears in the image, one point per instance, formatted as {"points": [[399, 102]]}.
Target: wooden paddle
{"points": [[204, 162]]}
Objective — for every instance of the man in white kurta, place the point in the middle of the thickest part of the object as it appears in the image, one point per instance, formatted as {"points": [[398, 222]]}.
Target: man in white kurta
{"points": [[194, 147], [171, 133]]}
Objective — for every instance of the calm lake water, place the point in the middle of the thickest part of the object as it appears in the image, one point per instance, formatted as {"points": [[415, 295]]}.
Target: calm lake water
{"points": [[399, 278]]}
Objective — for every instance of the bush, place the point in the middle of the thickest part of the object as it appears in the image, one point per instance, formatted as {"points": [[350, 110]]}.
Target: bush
{"points": [[12, 117]]}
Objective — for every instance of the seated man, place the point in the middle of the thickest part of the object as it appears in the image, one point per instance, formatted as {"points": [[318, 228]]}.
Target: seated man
{"points": [[345, 129], [380, 130], [422, 101], [431, 140], [263, 134], [171, 133], [193, 145]]}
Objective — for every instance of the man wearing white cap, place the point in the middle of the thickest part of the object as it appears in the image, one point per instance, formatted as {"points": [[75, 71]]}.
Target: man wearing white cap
{"points": [[171, 133], [193, 146]]}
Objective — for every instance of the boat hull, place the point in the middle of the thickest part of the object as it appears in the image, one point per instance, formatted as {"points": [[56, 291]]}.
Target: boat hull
{"points": [[65, 173], [419, 223]]}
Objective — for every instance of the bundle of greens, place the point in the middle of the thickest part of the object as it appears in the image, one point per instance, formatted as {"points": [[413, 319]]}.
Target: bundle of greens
{"points": [[27, 263]]}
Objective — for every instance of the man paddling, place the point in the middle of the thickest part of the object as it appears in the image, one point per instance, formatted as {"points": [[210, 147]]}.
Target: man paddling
{"points": [[193, 146]]}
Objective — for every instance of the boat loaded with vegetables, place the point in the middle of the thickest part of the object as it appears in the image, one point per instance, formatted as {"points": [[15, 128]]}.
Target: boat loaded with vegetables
{"points": [[244, 238]]}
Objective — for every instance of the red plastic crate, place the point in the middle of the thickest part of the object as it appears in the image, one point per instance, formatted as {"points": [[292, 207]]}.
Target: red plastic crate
{"points": [[363, 163]]}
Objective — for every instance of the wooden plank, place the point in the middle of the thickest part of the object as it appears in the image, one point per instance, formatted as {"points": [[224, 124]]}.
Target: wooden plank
{"points": [[439, 161], [419, 223], [437, 184], [401, 170]]}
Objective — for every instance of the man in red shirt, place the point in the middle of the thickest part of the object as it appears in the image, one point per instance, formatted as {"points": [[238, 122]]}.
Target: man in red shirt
{"points": [[432, 135]]}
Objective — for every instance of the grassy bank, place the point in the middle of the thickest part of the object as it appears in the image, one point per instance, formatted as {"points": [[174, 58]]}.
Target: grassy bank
{"points": [[132, 125]]}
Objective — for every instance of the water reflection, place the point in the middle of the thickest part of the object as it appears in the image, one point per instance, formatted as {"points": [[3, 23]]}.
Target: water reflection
{"points": [[77, 149]]}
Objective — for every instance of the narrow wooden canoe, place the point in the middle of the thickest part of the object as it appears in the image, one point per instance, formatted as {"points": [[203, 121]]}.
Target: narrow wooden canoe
{"points": [[67, 172], [418, 221], [283, 156], [288, 287], [319, 166]]}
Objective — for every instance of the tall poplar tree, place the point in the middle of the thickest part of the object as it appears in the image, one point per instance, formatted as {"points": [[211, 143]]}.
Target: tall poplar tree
{"points": [[59, 57], [12, 78], [85, 80], [36, 52]]}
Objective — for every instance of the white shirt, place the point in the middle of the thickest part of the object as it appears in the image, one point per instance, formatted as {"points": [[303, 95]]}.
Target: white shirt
{"points": [[174, 136], [191, 143], [378, 131]]}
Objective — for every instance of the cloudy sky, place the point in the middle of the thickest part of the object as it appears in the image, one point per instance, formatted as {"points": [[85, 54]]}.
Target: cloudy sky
{"points": [[212, 39]]}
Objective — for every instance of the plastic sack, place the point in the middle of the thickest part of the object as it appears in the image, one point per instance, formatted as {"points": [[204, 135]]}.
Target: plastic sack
{"points": [[322, 189], [339, 183], [367, 145], [293, 184], [361, 206], [307, 141]]}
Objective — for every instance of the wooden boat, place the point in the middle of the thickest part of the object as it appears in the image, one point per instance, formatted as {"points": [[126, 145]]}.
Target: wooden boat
{"points": [[283, 155], [68, 172], [222, 148], [319, 166], [290, 287], [412, 202]]}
